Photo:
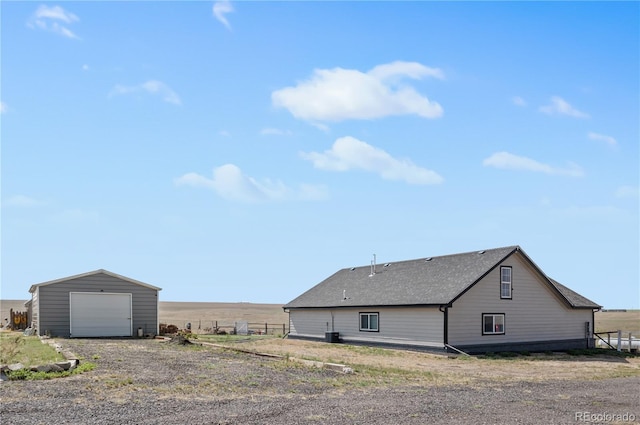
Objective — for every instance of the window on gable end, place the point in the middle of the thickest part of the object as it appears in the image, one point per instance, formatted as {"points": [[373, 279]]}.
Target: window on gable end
{"points": [[505, 282]]}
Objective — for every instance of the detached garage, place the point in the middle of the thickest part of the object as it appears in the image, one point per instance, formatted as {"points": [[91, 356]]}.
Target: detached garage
{"points": [[94, 304]]}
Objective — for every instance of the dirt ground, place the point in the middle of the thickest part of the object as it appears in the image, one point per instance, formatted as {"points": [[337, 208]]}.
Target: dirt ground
{"points": [[140, 381]]}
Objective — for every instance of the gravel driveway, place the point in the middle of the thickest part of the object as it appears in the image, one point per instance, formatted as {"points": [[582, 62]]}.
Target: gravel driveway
{"points": [[148, 382]]}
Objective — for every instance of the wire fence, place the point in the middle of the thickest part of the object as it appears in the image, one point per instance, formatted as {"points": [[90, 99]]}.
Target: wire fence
{"points": [[215, 327], [618, 340]]}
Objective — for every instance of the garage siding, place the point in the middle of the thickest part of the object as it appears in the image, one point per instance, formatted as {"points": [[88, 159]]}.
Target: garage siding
{"points": [[53, 305]]}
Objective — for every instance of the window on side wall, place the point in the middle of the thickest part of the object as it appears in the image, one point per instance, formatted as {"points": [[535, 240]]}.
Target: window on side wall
{"points": [[369, 322], [505, 283], [493, 324]]}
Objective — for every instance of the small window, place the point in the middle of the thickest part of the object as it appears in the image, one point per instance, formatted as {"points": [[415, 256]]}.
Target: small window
{"points": [[369, 322], [505, 282], [493, 324]]}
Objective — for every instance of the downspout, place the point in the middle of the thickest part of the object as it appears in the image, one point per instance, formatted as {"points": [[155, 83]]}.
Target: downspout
{"points": [[286, 310], [445, 337], [593, 328]]}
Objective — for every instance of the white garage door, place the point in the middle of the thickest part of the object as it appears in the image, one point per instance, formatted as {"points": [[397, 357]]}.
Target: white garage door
{"points": [[95, 314]]}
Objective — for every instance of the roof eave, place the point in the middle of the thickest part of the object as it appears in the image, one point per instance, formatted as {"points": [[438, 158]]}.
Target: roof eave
{"points": [[91, 273], [369, 306]]}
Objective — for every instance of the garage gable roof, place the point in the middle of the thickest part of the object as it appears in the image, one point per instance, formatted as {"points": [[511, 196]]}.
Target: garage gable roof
{"points": [[426, 281], [100, 271]]}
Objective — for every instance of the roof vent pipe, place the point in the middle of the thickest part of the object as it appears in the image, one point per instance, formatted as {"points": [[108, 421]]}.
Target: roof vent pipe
{"points": [[373, 266]]}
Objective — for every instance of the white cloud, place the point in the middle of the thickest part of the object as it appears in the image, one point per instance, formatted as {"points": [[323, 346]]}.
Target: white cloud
{"points": [[48, 19], [340, 94], [22, 201], [224, 133], [231, 183], [349, 153], [627, 192], [151, 87], [220, 9], [85, 67], [4, 108], [399, 69], [603, 138], [275, 132], [507, 161], [518, 101], [559, 106]]}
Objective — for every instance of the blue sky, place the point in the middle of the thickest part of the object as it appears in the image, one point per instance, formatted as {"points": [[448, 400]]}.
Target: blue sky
{"points": [[245, 151]]}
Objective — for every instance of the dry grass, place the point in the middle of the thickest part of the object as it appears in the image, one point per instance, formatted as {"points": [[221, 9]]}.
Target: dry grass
{"points": [[28, 350], [440, 369]]}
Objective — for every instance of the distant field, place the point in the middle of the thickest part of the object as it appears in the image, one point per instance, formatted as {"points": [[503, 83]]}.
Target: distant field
{"points": [[205, 313], [6, 305], [628, 321]]}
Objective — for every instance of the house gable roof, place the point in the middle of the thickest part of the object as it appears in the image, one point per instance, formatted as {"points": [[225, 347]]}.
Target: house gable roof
{"points": [[425, 281], [576, 300], [95, 272]]}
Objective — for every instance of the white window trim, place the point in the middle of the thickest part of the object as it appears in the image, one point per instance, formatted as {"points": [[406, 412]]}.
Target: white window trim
{"points": [[377, 329], [504, 282], [494, 315]]}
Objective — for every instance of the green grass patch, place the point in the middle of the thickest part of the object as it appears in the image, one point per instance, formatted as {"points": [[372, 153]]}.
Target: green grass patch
{"points": [[28, 375], [502, 355], [602, 352], [28, 350], [549, 355], [367, 350]]}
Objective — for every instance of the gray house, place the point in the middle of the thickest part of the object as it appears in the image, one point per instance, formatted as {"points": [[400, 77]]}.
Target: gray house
{"points": [[490, 300], [94, 304]]}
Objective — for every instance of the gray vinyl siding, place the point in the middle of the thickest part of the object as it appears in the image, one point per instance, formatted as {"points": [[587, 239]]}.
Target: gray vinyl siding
{"points": [[397, 325], [54, 302], [535, 312]]}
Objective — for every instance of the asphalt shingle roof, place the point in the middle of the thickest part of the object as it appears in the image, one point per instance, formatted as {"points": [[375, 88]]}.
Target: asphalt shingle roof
{"points": [[424, 281], [574, 298]]}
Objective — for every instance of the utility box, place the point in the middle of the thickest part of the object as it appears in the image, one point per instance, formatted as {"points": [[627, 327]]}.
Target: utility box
{"points": [[332, 337]]}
